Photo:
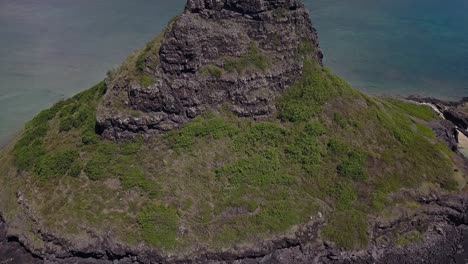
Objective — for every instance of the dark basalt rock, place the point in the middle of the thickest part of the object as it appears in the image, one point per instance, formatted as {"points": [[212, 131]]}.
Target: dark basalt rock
{"points": [[210, 34], [455, 112], [11, 250], [446, 131]]}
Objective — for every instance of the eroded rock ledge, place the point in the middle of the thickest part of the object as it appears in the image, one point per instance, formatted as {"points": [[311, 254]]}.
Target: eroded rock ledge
{"points": [[444, 217], [237, 53]]}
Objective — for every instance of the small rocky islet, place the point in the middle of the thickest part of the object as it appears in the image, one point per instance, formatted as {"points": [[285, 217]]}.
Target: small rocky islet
{"points": [[225, 140]]}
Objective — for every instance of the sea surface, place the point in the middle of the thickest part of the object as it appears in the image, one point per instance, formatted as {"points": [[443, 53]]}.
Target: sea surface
{"points": [[52, 49]]}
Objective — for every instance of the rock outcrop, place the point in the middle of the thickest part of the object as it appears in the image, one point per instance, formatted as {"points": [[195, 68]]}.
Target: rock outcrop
{"points": [[12, 251], [454, 123], [239, 54], [455, 112]]}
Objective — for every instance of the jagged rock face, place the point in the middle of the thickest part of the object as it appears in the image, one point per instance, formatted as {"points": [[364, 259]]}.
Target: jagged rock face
{"points": [[237, 53]]}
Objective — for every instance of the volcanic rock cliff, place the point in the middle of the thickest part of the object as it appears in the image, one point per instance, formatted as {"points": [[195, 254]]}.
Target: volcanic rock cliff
{"points": [[238, 53]]}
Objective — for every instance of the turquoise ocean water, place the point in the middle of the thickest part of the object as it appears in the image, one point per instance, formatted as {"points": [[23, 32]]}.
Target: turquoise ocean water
{"points": [[52, 49]]}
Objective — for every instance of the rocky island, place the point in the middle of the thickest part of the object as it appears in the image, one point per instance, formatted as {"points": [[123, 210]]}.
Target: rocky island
{"points": [[226, 140]]}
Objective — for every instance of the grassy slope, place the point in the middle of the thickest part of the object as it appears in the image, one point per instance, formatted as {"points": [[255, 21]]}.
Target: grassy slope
{"points": [[223, 180]]}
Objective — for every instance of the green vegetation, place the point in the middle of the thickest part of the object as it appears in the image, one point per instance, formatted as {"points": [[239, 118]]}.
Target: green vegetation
{"points": [[201, 126], [306, 149], [423, 112], [354, 166], [56, 164], [263, 169], [30, 148], [138, 66], [253, 60], [147, 80], [306, 48], [425, 130], [348, 229], [305, 99], [409, 238], [212, 70], [230, 180], [159, 225]]}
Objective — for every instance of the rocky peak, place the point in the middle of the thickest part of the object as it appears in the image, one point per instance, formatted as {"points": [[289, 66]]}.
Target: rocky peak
{"points": [[210, 8], [237, 53]]}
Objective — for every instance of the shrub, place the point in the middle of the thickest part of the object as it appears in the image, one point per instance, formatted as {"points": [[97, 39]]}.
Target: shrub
{"points": [[306, 97], [30, 147], [26, 155], [55, 164], [69, 109], [306, 151], [344, 194], [96, 168], [66, 124], [158, 226], [296, 112], [43, 117], [83, 115], [131, 147], [258, 135], [75, 117], [261, 169], [354, 167], [337, 148], [348, 229], [314, 128], [200, 126], [75, 169], [90, 138], [305, 147], [134, 177]]}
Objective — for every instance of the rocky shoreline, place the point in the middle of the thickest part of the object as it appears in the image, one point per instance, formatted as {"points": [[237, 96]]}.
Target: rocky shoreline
{"points": [[12, 251], [454, 129], [454, 111], [445, 241]]}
